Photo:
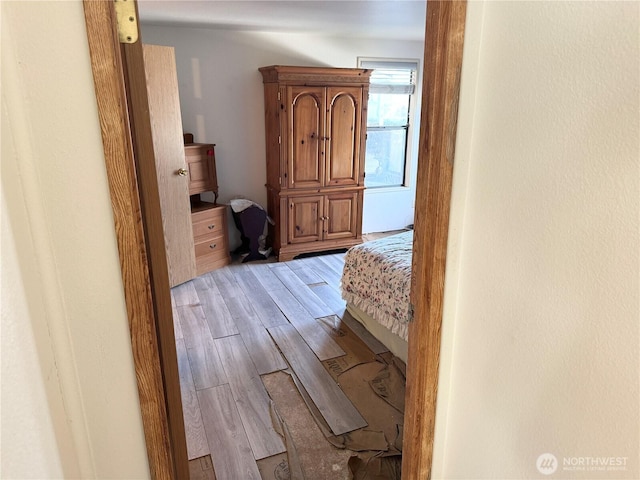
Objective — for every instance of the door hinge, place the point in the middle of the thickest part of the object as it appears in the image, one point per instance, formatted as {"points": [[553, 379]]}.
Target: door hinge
{"points": [[127, 21], [278, 95], [410, 312], [279, 180], [279, 139]]}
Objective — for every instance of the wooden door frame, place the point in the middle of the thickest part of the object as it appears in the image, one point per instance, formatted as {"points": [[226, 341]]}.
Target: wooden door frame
{"points": [[128, 150], [134, 199], [444, 39]]}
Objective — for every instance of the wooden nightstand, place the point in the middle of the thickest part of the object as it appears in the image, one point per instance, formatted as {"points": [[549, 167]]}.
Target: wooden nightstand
{"points": [[211, 244], [208, 220]]}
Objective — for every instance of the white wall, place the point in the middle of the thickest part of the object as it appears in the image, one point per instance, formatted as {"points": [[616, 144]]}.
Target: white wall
{"points": [[221, 97], [541, 325], [69, 400]]}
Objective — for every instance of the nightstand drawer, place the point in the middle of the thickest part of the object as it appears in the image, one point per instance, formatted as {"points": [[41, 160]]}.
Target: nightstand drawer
{"points": [[211, 254], [208, 226], [214, 246], [211, 245]]}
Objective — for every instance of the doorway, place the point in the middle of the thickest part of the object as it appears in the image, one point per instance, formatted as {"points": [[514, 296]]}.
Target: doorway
{"points": [[144, 270]]}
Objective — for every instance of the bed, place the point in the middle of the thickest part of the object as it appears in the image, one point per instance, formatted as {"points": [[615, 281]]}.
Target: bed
{"points": [[376, 282]]}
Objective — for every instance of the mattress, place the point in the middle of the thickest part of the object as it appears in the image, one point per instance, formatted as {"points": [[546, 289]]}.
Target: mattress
{"points": [[396, 345], [377, 280]]}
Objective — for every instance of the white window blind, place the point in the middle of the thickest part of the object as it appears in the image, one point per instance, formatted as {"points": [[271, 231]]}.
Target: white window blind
{"points": [[391, 77]]}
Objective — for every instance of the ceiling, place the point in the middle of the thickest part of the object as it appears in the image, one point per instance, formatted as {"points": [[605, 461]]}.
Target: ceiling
{"points": [[388, 19]]}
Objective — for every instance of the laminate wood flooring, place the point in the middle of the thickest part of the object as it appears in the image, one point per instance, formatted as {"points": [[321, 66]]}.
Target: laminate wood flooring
{"points": [[262, 350], [251, 397], [307, 298], [268, 312], [321, 343], [203, 356], [231, 452], [218, 316], [334, 405], [241, 322], [197, 445]]}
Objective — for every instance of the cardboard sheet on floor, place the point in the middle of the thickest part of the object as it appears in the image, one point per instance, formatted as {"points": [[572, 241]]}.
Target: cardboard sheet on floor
{"points": [[376, 387], [379, 413], [381, 434], [356, 350], [401, 366], [389, 384], [275, 467], [316, 457], [357, 440], [283, 466], [397, 443], [201, 469], [378, 467]]}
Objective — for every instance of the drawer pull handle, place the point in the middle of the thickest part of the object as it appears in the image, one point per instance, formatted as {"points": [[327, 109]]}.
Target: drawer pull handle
{"points": [[211, 227], [182, 172], [212, 246]]}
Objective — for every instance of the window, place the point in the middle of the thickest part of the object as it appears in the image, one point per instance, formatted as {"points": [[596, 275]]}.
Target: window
{"points": [[388, 121]]}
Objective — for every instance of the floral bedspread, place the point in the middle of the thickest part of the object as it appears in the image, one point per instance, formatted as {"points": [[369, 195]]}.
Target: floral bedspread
{"points": [[377, 279]]}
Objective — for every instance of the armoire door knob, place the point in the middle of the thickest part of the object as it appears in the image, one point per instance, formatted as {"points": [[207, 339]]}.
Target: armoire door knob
{"points": [[183, 172]]}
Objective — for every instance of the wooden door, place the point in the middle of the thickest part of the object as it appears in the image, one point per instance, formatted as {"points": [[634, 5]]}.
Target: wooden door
{"points": [[304, 219], [168, 146], [344, 119], [340, 217], [305, 139]]}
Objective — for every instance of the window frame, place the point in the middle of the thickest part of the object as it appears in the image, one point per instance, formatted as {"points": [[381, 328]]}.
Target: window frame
{"points": [[411, 142]]}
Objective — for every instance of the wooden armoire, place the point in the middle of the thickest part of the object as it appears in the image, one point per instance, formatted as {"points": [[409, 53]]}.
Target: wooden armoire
{"points": [[315, 121]]}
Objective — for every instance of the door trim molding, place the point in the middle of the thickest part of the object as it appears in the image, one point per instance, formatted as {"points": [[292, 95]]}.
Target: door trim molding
{"points": [[144, 274], [444, 40]]}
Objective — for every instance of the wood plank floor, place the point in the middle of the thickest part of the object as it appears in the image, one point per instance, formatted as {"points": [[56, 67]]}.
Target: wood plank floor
{"points": [[334, 405], [226, 323], [251, 397]]}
